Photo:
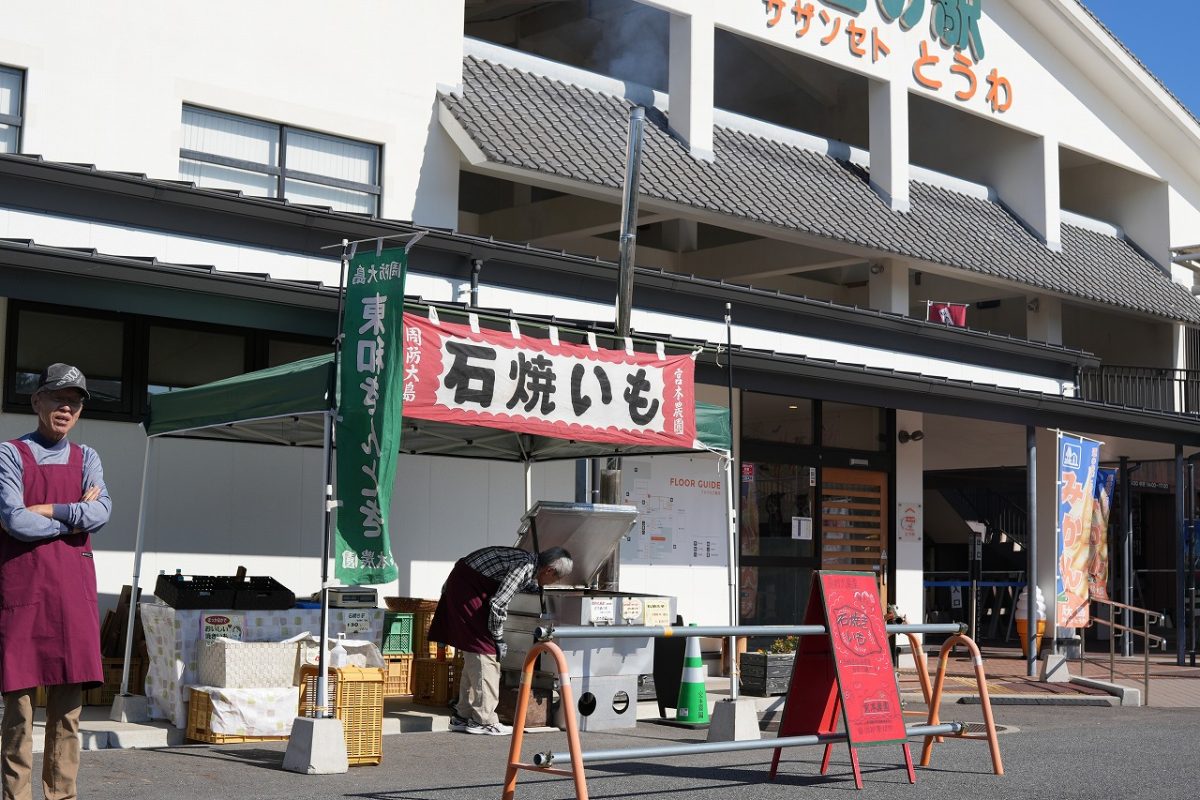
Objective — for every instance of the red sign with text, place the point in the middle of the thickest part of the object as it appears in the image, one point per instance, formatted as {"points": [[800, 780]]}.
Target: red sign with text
{"points": [[520, 383], [862, 658], [850, 670]]}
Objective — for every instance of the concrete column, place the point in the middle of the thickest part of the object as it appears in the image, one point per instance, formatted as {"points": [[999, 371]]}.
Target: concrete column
{"points": [[690, 80], [1179, 342], [1047, 539], [681, 235], [888, 286], [909, 557], [1027, 180], [1043, 319], [889, 141]]}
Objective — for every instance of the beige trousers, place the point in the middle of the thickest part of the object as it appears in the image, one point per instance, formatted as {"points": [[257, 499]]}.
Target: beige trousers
{"points": [[478, 689], [60, 760]]}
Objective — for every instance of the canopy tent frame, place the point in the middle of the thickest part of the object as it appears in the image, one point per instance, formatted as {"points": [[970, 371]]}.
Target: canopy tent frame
{"points": [[280, 405]]}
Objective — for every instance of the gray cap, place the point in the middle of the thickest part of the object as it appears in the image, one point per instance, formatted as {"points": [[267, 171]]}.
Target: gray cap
{"points": [[62, 376]]}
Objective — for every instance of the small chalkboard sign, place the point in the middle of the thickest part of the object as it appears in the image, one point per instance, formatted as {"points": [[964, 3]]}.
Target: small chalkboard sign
{"points": [[847, 673]]}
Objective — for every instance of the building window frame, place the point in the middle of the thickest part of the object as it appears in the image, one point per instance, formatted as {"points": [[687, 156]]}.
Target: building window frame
{"points": [[16, 121], [281, 173], [135, 358], [19, 402]]}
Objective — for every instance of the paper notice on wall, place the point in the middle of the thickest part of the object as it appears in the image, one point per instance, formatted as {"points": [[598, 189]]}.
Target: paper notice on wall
{"points": [[222, 626], [682, 514], [802, 528]]}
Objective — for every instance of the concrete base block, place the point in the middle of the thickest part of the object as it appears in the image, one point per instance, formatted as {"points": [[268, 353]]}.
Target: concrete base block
{"points": [[92, 740], [317, 747], [1127, 695], [1054, 668], [734, 721], [130, 708], [142, 737]]}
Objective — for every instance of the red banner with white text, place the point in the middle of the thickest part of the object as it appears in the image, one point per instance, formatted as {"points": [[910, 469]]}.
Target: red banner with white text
{"points": [[506, 380]]}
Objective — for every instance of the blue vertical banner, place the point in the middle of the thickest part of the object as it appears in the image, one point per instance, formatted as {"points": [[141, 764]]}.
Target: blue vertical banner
{"points": [[1078, 460]]}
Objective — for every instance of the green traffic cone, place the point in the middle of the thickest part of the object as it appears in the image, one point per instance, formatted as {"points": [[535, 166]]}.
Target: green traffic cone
{"points": [[692, 708]]}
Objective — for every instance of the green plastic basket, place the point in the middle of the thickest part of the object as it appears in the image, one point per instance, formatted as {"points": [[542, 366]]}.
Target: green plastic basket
{"points": [[397, 634]]}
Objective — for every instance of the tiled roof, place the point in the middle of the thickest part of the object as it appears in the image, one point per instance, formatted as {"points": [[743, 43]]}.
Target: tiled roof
{"points": [[524, 120]]}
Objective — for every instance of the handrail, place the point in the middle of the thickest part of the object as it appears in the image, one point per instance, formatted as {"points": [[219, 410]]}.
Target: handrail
{"points": [[1115, 628]]}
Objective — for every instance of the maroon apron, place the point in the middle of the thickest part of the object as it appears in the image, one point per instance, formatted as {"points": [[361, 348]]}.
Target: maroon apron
{"points": [[461, 618], [49, 619]]}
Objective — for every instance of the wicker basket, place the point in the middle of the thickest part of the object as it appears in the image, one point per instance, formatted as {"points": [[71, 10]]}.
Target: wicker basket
{"points": [[435, 681], [410, 605], [246, 665], [397, 678], [356, 694], [199, 724]]}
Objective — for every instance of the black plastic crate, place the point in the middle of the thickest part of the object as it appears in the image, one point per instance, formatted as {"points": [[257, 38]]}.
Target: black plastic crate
{"points": [[196, 591], [262, 593]]}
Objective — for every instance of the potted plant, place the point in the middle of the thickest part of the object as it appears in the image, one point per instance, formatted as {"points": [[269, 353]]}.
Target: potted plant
{"points": [[765, 673]]}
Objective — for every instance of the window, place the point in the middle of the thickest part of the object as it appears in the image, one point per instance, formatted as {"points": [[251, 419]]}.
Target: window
{"points": [[285, 351], [777, 419], [94, 343], [852, 427], [12, 84], [223, 151], [182, 357], [129, 357]]}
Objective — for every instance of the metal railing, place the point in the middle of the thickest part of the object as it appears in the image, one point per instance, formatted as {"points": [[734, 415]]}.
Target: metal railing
{"points": [[1117, 629], [1149, 388]]}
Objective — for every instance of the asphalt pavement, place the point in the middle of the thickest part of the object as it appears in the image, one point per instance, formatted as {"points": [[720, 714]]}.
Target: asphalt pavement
{"points": [[1062, 752]]}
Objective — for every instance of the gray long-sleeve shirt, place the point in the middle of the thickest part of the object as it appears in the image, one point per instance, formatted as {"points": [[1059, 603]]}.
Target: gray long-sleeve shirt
{"points": [[29, 527]]}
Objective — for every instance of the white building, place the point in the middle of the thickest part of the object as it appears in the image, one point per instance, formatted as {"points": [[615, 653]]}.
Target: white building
{"points": [[826, 169]]}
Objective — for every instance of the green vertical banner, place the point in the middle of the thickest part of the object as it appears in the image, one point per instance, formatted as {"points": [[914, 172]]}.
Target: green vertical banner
{"points": [[369, 409]]}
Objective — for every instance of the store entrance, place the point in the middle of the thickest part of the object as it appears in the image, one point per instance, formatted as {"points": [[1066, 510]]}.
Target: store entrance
{"points": [[779, 541], [790, 527], [854, 520]]}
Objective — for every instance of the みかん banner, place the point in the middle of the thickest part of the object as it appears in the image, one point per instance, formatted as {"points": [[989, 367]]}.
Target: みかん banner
{"points": [[506, 380], [1077, 464], [1106, 480]]}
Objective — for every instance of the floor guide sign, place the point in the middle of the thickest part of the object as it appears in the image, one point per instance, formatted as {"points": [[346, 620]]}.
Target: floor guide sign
{"points": [[682, 517]]}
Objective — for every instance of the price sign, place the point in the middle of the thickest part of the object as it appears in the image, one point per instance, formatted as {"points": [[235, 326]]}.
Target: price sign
{"points": [[658, 612], [632, 610], [604, 611], [356, 621]]}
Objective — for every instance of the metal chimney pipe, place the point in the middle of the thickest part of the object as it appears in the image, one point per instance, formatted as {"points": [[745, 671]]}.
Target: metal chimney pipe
{"points": [[609, 575], [629, 213]]}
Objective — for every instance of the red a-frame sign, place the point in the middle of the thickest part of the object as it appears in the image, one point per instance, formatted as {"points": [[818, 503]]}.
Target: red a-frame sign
{"points": [[850, 671]]}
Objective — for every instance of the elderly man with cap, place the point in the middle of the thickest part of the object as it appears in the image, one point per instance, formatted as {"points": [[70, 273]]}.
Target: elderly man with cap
{"points": [[52, 497]]}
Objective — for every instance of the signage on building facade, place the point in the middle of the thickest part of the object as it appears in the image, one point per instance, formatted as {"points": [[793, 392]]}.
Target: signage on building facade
{"points": [[909, 525], [465, 375], [946, 61]]}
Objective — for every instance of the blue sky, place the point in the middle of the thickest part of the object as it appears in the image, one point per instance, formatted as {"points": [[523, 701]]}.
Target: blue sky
{"points": [[1159, 33]]}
